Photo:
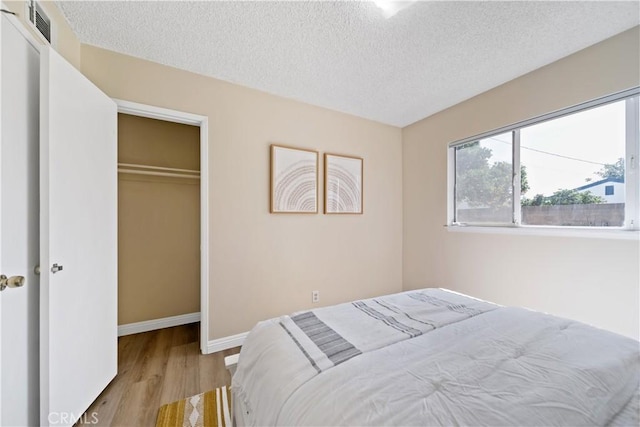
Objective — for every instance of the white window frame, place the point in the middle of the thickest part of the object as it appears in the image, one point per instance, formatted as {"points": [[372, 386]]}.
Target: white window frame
{"points": [[631, 226]]}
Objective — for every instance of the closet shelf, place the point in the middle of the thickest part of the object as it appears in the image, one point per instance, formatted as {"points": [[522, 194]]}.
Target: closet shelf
{"points": [[135, 169]]}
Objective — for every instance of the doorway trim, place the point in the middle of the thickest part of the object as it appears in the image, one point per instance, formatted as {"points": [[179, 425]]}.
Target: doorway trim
{"points": [[158, 113]]}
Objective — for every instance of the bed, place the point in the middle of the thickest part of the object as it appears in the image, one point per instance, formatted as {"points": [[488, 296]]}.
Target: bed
{"points": [[434, 357]]}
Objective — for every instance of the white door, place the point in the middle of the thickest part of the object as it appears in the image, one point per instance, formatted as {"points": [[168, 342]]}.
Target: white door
{"points": [[78, 241], [19, 80]]}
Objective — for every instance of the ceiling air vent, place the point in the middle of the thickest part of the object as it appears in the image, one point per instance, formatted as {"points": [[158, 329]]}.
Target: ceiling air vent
{"points": [[40, 19]]}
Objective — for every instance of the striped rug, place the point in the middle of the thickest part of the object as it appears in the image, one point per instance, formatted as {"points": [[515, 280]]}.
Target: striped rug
{"points": [[210, 409]]}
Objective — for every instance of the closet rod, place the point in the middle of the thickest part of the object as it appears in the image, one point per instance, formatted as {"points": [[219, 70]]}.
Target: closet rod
{"points": [[174, 175], [158, 168]]}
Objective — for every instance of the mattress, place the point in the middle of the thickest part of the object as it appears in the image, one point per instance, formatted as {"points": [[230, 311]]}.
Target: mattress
{"points": [[433, 357]]}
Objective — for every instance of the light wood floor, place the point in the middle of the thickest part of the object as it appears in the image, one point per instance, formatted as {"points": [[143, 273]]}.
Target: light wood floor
{"points": [[155, 368]]}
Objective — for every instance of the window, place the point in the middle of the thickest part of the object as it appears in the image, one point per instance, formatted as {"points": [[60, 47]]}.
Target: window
{"points": [[572, 168]]}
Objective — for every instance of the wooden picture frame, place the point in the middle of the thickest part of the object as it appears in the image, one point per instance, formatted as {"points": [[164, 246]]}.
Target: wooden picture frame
{"points": [[343, 184], [294, 180]]}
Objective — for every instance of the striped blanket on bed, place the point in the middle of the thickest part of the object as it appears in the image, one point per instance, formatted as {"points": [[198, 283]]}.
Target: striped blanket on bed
{"points": [[332, 335], [307, 343]]}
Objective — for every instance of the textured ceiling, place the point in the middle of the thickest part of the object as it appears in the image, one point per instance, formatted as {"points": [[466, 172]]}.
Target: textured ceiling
{"points": [[345, 55]]}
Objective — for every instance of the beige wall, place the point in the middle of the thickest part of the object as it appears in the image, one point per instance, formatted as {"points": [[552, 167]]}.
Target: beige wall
{"points": [[158, 222], [263, 265], [63, 38], [592, 280]]}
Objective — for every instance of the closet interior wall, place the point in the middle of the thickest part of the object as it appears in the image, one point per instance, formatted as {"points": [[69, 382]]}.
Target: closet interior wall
{"points": [[158, 219]]}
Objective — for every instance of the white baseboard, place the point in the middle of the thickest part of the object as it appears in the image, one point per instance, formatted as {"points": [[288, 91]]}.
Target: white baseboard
{"points": [[151, 325], [226, 342]]}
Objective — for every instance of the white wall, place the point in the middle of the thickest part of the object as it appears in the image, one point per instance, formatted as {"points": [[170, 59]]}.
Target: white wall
{"points": [[592, 280]]}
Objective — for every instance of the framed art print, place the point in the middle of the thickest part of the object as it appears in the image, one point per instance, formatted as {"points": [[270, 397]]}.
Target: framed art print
{"points": [[343, 176], [294, 180]]}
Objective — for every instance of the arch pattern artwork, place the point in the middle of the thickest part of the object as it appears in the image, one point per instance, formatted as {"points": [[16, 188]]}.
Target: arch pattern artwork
{"points": [[343, 184], [294, 180]]}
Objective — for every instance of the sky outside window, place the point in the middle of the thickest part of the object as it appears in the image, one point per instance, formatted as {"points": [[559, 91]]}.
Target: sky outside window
{"points": [[562, 153]]}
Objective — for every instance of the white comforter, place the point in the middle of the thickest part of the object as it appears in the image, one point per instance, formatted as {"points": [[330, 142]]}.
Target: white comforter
{"points": [[464, 362]]}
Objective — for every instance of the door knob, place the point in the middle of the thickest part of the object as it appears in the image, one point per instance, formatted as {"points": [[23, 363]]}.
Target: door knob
{"points": [[11, 282]]}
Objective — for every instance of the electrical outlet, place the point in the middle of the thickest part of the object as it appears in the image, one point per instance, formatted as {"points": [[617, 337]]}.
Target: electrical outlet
{"points": [[315, 296]]}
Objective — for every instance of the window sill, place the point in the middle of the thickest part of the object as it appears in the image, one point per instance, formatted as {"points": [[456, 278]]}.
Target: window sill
{"points": [[593, 233]]}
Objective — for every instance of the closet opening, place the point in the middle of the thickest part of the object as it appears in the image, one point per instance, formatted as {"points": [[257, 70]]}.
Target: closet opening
{"points": [[162, 220]]}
